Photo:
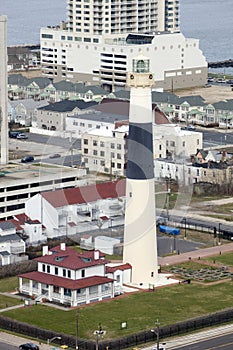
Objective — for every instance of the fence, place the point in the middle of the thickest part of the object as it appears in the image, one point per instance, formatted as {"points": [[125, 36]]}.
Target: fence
{"points": [[120, 343]]}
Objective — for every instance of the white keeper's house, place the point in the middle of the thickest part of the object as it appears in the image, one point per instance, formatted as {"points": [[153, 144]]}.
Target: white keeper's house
{"points": [[67, 277]]}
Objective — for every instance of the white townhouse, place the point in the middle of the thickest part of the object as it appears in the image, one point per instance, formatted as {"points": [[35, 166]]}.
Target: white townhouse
{"points": [[179, 143], [32, 231], [181, 171], [12, 246], [24, 111], [104, 150], [80, 123], [224, 113], [52, 117], [67, 277], [74, 210]]}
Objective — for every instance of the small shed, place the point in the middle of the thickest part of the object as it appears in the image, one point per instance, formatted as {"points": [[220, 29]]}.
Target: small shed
{"points": [[106, 244]]}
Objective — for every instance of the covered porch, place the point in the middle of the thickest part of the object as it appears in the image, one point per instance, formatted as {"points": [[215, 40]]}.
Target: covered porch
{"points": [[64, 291]]}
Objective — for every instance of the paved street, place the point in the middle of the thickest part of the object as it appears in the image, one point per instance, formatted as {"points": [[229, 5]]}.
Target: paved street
{"points": [[219, 338], [12, 342]]}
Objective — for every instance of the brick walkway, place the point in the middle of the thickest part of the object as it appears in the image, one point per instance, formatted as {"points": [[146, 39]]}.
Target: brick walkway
{"points": [[196, 254]]}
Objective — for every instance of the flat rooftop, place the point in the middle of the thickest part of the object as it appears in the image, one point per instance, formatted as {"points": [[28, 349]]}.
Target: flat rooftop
{"points": [[17, 173]]}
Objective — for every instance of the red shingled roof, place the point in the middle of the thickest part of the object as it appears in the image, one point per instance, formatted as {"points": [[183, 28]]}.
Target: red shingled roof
{"points": [[71, 259], [17, 224], [85, 194], [22, 217], [112, 269], [66, 282]]}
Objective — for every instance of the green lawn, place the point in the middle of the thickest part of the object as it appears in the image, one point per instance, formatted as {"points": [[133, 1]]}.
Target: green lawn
{"points": [[140, 310], [8, 284], [6, 301], [225, 259]]}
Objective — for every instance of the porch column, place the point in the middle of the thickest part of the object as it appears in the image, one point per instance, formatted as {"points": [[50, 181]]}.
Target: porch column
{"points": [[62, 294], [112, 289], [100, 296], [39, 288], [50, 291], [30, 287], [73, 301], [20, 284], [87, 295]]}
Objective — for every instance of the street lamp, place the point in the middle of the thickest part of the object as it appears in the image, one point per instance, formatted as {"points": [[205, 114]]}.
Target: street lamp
{"points": [[157, 324], [185, 235], [97, 334], [219, 229], [52, 339]]}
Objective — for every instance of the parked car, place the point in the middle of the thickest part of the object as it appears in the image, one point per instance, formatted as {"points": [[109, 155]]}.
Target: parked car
{"points": [[27, 159], [55, 155], [29, 346], [161, 347], [190, 127], [13, 134], [22, 136]]}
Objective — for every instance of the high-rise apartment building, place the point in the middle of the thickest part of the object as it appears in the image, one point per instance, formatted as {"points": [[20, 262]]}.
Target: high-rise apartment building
{"points": [[100, 17], [100, 38]]}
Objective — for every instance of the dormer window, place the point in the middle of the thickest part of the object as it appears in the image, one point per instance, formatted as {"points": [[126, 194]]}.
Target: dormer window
{"points": [[59, 258], [86, 259]]}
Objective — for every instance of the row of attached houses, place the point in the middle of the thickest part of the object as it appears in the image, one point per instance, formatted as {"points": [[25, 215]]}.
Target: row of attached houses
{"points": [[190, 109], [76, 210], [42, 88], [104, 150], [185, 109], [215, 167], [67, 277]]}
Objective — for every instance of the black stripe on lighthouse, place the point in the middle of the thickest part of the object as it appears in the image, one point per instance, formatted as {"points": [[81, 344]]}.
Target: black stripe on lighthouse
{"points": [[140, 163]]}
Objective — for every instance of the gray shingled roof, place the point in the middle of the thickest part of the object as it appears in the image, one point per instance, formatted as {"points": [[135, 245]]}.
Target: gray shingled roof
{"points": [[165, 97], [196, 100], [123, 94], [4, 253], [17, 79], [7, 238], [101, 117], [42, 82], [64, 86], [6, 225], [224, 105], [29, 103], [67, 106], [97, 90]]}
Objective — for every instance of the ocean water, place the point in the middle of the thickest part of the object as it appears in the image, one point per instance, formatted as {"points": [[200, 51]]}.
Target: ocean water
{"points": [[210, 21], [26, 17]]}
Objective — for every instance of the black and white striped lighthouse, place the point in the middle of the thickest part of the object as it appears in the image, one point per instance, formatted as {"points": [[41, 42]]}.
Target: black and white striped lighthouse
{"points": [[140, 245]]}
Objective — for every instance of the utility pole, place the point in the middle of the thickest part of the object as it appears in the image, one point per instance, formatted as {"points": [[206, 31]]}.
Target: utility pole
{"points": [[157, 326], [168, 196], [76, 331]]}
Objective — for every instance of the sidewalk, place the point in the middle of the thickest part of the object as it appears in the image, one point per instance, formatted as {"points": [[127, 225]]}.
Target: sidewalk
{"points": [[195, 337], [17, 341], [195, 254]]}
